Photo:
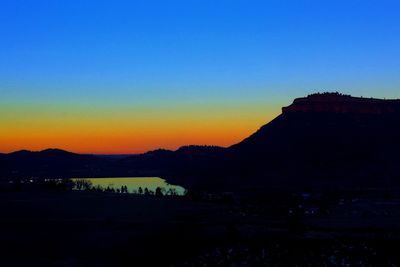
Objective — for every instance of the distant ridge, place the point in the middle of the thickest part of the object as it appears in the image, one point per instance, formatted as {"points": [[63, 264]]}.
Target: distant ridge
{"points": [[55, 163], [59, 163], [49, 151], [55, 151], [20, 152]]}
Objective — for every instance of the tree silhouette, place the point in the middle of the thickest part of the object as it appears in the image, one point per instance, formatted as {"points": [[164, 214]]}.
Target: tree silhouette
{"points": [[83, 184], [159, 192]]}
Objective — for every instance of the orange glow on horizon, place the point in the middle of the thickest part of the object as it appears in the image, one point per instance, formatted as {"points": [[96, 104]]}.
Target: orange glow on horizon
{"points": [[128, 143], [127, 131]]}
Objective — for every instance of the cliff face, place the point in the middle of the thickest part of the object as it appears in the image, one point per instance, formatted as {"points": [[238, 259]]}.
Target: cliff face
{"points": [[338, 103]]}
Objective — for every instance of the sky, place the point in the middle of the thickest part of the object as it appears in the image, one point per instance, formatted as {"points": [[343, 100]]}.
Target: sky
{"points": [[115, 77]]}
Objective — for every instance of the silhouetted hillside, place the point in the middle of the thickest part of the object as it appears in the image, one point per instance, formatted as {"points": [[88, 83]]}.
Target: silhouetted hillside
{"points": [[199, 150], [56, 163], [322, 141], [167, 163], [53, 163]]}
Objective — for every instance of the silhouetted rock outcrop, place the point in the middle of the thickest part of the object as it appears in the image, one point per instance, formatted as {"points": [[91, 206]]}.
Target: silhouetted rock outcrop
{"points": [[339, 103], [321, 141]]}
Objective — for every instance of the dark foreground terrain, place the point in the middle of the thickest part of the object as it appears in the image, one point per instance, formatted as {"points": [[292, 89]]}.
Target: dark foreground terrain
{"points": [[105, 229]]}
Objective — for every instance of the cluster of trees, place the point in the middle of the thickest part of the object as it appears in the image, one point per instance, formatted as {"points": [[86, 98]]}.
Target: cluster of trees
{"points": [[87, 185], [328, 94], [82, 184], [160, 191], [78, 184]]}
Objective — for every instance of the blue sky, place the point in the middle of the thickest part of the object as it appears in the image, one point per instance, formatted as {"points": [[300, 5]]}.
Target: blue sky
{"points": [[200, 49]]}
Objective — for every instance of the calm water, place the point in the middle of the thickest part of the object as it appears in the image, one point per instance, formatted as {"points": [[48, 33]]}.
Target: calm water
{"points": [[133, 183]]}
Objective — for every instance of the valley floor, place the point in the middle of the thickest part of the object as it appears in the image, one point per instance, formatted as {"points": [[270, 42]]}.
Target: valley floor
{"points": [[98, 229]]}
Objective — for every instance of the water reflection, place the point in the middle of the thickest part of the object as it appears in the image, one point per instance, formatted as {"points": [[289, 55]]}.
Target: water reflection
{"points": [[134, 184]]}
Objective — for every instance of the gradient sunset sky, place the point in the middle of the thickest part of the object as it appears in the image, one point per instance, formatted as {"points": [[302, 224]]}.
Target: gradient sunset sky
{"points": [[130, 76]]}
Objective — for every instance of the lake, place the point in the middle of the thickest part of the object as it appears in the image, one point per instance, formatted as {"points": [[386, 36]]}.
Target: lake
{"points": [[134, 183]]}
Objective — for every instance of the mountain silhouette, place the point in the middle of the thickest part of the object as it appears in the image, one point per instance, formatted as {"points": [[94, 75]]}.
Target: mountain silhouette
{"points": [[321, 141], [53, 163]]}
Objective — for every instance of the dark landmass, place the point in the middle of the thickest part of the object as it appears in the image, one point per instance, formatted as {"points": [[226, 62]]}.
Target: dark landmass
{"points": [[321, 141], [339, 103], [317, 186], [50, 163], [114, 156]]}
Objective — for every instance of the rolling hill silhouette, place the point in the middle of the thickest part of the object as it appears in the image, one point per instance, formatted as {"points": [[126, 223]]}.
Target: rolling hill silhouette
{"points": [[320, 141], [49, 163]]}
